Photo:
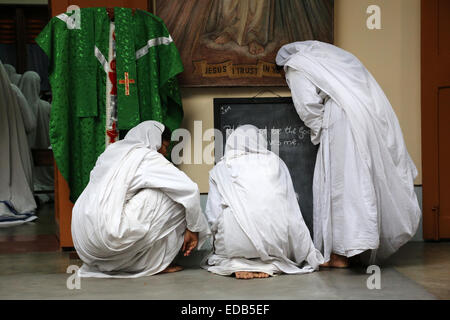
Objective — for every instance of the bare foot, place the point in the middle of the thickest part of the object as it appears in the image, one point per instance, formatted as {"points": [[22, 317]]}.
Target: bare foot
{"points": [[255, 48], [326, 264], [223, 38], [260, 275], [243, 275], [250, 275], [336, 261], [172, 268], [339, 261]]}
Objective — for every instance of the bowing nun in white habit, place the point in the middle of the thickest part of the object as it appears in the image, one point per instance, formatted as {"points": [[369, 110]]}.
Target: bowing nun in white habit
{"points": [[17, 204], [39, 138], [254, 215], [138, 210], [363, 187]]}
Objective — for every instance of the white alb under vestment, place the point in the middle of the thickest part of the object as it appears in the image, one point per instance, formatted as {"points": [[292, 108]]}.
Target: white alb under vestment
{"points": [[363, 187], [254, 214], [17, 204], [39, 138], [131, 218]]}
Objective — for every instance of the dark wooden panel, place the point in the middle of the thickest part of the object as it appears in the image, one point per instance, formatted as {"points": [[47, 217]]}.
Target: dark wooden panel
{"points": [[21, 48], [435, 68], [42, 157], [444, 162], [444, 27]]}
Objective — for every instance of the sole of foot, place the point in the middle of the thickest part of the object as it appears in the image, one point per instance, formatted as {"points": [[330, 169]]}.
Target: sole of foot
{"points": [[250, 275], [336, 261], [172, 269]]}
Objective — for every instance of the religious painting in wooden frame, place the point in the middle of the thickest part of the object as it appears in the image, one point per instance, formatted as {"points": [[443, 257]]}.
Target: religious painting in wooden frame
{"points": [[234, 42]]}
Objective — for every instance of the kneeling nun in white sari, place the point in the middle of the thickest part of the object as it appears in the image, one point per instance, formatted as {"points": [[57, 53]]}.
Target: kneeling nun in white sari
{"points": [[363, 189], [254, 214], [137, 211]]}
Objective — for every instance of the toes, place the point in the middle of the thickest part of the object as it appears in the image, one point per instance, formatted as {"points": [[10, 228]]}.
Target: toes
{"points": [[250, 275]]}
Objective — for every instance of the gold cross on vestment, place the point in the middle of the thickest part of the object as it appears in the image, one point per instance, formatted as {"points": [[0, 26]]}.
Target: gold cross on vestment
{"points": [[126, 82]]}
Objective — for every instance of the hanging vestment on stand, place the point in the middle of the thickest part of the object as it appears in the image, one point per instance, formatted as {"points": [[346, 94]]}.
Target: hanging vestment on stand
{"points": [[106, 76]]}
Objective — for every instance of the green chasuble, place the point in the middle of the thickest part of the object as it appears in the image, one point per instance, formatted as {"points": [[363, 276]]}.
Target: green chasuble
{"points": [[146, 63]]}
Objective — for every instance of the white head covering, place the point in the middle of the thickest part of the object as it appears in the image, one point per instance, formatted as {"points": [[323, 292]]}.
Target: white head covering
{"points": [[244, 140], [30, 85], [10, 70], [287, 51], [148, 133], [14, 77]]}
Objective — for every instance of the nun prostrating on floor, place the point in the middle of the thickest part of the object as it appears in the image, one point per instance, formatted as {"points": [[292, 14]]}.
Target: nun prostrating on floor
{"points": [[254, 214], [138, 209]]}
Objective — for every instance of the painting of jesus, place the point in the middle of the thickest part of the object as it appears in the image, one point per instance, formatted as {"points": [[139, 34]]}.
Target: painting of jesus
{"points": [[234, 42]]}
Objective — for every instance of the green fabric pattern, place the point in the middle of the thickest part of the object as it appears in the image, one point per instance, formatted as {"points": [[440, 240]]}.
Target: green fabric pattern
{"points": [[78, 82]]}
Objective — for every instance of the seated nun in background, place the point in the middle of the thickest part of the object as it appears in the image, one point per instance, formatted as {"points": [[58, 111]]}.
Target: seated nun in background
{"points": [[363, 188], [30, 85], [17, 204], [254, 214], [14, 77], [138, 209]]}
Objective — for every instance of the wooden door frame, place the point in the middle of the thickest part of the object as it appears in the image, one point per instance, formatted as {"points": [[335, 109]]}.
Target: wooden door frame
{"points": [[433, 69], [430, 172], [60, 6]]}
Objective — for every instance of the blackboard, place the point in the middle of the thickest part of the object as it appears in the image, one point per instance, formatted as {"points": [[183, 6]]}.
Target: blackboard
{"points": [[295, 147]]}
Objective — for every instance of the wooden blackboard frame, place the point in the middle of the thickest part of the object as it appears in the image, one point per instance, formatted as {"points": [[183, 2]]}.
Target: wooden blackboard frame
{"points": [[220, 101]]}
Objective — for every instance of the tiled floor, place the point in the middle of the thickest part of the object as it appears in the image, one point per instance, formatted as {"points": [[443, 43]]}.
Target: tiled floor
{"points": [[36, 236], [428, 264], [418, 271]]}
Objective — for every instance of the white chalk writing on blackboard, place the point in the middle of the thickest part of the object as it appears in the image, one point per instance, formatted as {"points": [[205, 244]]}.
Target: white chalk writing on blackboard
{"points": [[225, 109], [293, 135]]}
